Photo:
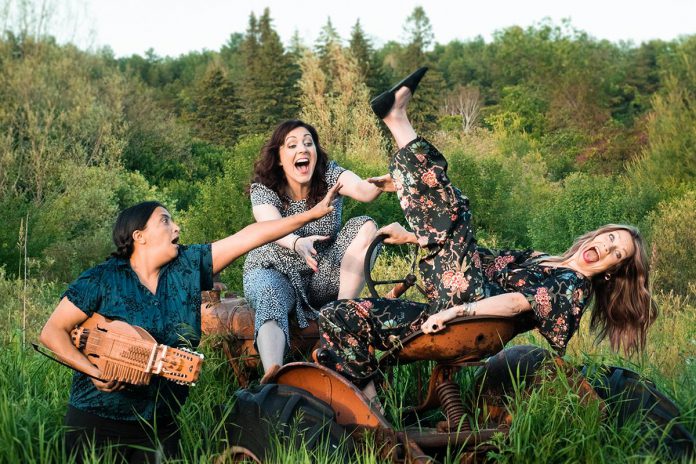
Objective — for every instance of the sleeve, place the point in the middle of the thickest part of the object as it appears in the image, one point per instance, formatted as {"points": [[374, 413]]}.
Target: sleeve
{"points": [[262, 195], [558, 303], [85, 291], [494, 260], [333, 172], [200, 258]]}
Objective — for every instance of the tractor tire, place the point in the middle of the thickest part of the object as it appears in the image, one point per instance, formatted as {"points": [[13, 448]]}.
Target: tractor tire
{"points": [[631, 396], [268, 414]]}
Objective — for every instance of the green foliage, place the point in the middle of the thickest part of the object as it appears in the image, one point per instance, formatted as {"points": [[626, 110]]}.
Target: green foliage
{"points": [[217, 116], [673, 238], [584, 203], [268, 82], [335, 102], [222, 207]]}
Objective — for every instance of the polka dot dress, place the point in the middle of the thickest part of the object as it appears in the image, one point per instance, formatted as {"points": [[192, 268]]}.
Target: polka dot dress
{"points": [[278, 282]]}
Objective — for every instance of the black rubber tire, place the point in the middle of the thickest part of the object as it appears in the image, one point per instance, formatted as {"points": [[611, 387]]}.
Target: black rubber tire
{"points": [[511, 365], [628, 394], [625, 392], [295, 417]]}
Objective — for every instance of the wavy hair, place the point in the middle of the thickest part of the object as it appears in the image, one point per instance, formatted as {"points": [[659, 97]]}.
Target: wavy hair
{"points": [[128, 221], [623, 306], [269, 172]]}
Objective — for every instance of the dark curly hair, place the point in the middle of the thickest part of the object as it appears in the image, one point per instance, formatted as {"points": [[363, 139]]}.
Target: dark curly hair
{"points": [[269, 172], [128, 221]]}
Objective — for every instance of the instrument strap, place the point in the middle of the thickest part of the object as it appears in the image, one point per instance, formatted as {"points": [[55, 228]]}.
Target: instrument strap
{"points": [[53, 358]]}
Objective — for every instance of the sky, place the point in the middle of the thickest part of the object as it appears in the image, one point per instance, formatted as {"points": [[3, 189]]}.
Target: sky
{"points": [[174, 27]]}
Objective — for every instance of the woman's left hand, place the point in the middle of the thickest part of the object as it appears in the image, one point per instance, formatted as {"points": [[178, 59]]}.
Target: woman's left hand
{"points": [[326, 205], [384, 183], [437, 321]]}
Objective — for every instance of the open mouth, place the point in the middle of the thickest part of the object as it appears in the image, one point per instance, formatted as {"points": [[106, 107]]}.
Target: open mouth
{"points": [[591, 255], [302, 166], [175, 241]]}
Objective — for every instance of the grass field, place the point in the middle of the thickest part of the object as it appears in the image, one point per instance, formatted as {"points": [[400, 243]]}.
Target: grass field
{"points": [[550, 424]]}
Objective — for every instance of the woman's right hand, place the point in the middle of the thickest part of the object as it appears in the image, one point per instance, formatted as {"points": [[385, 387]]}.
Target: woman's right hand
{"points": [[396, 234], [109, 386], [304, 246]]}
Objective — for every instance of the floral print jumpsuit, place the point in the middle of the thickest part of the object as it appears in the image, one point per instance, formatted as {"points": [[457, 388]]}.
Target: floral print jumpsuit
{"points": [[454, 270]]}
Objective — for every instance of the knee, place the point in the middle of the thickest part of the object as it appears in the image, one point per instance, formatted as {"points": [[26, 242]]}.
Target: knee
{"points": [[366, 234]]}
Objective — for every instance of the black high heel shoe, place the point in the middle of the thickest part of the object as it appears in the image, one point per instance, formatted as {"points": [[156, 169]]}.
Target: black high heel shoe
{"points": [[382, 103]]}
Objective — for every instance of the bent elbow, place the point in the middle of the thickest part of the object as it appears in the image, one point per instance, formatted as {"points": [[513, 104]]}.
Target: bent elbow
{"points": [[520, 304]]}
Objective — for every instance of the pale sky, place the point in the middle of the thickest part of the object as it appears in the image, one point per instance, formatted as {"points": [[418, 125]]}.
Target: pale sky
{"points": [[173, 27]]}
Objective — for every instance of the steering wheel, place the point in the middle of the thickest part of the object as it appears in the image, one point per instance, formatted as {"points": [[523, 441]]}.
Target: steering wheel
{"points": [[401, 285]]}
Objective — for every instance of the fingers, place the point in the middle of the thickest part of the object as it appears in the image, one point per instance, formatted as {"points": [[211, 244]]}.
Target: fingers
{"points": [[108, 387], [432, 325], [333, 192], [312, 263]]}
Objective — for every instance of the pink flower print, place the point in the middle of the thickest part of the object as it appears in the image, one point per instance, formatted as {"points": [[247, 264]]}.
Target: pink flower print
{"points": [[363, 308], [447, 279], [476, 259], [455, 280], [420, 158], [543, 301], [429, 178], [404, 203], [352, 341]]}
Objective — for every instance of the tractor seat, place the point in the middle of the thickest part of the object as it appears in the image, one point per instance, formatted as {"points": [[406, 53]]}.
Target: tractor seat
{"points": [[465, 338]]}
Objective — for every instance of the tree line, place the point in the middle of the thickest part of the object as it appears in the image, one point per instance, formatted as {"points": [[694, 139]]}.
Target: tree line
{"points": [[546, 121]]}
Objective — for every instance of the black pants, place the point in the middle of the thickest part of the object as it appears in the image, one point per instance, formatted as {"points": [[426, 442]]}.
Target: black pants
{"points": [[451, 270], [133, 441]]}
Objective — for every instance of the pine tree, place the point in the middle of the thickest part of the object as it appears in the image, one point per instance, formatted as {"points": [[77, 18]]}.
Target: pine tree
{"points": [[217, 116], [328, 38], [430, 96], [364, 54], [269, 83], [336, 103]]}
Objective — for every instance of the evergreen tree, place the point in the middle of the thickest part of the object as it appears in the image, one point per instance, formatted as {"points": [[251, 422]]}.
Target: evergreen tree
{"points": [[430, 96], [328, 38], [364, 54], [268, 86], [217, 116]]}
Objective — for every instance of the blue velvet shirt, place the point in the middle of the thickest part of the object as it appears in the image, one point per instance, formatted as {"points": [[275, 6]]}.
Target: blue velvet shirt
{"points": [[172, 316]]}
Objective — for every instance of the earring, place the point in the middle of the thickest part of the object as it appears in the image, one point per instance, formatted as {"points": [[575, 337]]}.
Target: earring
{"points": [[607, 276]]}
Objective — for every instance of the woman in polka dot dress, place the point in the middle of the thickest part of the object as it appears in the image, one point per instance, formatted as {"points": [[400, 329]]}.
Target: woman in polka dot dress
{"points": [[296, 275]]}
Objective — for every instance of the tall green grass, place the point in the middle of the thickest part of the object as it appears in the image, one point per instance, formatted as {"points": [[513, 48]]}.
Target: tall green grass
{"points": [[550, 423]]}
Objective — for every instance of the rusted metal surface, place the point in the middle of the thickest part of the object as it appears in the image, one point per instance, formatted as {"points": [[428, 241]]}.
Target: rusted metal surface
{"points": [[232, 321], [347, 401], [431, 438], [468, 338]]}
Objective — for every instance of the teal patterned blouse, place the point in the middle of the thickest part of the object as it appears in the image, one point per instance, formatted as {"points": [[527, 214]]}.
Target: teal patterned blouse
{"points": [[172, 316]]}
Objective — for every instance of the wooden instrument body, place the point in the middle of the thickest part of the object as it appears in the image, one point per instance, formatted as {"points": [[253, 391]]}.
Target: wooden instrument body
{"points": [[128, 353]]}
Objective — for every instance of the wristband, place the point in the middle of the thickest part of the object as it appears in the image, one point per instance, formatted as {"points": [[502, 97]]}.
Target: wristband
{"points": [[295, 243], [469, 309]]}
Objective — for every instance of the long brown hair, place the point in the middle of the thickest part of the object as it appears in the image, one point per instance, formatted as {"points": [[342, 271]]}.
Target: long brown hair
{"points": [[623, 307], [269, 172]]}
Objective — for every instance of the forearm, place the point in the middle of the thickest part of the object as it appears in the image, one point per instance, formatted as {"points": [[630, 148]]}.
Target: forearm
{"points": [[507, 304], [254, 235], [56, 339], [365, 192]]}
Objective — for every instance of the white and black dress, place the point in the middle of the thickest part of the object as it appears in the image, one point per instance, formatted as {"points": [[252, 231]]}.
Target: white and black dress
{"points": [[278, 282]]}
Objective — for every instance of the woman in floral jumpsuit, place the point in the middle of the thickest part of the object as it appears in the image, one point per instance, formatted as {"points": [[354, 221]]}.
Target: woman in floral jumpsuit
{"points": [[608, 265]]}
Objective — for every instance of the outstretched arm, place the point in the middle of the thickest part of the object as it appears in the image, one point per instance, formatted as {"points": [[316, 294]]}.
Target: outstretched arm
{"points": [[507, 304], [254, 235], [356, 188]]}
